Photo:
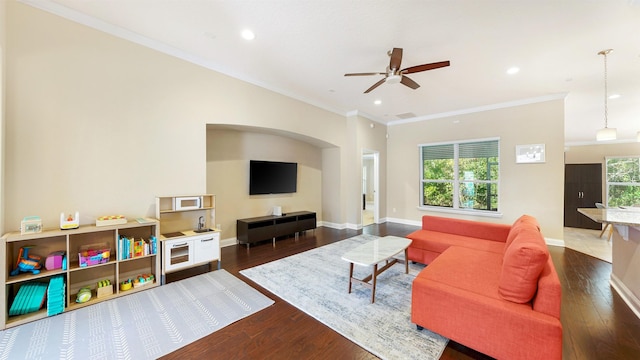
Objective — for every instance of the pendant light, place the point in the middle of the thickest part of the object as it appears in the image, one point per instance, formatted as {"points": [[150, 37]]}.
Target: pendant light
{"points": [[606, 133]]}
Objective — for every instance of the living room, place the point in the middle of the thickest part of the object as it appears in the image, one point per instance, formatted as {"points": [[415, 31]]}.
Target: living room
{"points": [[98, 124]]}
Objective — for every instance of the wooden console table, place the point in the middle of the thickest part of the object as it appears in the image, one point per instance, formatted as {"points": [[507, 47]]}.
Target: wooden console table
{"points": [[252, 230]]}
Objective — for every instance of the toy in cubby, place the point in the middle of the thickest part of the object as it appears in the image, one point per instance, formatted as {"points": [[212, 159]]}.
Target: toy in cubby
{"points": [[55, 260], [27, 262], [104, 288], [55, 296], [143, 279], [83, 295], [126, 285], [138, 281], [30, 298], [93, 255]]}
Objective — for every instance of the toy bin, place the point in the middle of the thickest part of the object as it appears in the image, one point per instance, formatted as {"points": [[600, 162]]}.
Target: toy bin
{"points": [[93, 256]]}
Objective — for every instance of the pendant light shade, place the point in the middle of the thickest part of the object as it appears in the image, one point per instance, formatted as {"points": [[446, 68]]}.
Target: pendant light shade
{"points": [[606, 133]]}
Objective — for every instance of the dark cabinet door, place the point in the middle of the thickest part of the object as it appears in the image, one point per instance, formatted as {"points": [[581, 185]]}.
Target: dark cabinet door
{"points": [[582, 189]]}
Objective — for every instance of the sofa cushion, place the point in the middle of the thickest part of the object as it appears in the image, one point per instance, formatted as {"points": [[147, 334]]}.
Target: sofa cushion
{"points": [[477, 272], [522, 264]]}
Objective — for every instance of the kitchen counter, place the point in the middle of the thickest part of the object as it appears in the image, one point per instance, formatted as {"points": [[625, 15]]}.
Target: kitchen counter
{"points": [[620, 216], [625, 272]]}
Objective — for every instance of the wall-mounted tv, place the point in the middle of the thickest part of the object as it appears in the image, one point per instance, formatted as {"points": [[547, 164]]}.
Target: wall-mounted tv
{"points": [[272, 177]]}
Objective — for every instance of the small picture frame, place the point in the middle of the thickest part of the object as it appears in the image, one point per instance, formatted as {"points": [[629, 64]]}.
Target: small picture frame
{"points": [[531, 153]]}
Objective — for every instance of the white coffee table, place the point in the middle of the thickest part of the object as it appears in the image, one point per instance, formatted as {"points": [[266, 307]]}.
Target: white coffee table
{"points": [[373, 253]]}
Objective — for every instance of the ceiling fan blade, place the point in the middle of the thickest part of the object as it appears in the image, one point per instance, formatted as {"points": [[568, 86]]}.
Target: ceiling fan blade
{"points": [[396, 59], [364, 74], [410, 83], [375, 85], [425, 67]]}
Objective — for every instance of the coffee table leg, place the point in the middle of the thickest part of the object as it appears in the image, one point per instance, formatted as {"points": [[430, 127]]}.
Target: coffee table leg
{"points": [[373, 289], [406, 261], [350, 276]]}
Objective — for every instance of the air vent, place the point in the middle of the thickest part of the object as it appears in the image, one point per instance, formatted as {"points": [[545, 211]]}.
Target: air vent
{"points": [[408, 115]]}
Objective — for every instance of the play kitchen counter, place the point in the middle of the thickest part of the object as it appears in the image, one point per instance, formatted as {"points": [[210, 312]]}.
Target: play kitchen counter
{"points": [[625, 274], [187, 238]]}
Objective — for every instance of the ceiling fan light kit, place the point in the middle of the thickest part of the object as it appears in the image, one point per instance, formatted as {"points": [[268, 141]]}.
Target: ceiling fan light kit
{"points": [[394, 75], [393, 79]]}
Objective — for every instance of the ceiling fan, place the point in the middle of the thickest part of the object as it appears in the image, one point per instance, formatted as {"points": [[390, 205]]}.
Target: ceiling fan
{"points": [[394, 75]]}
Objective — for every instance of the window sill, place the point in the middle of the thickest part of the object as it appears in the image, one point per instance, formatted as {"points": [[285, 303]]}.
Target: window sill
{"points": [[479, 213]]}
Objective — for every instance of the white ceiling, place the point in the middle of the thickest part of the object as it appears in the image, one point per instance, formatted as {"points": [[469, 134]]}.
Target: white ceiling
{"points": [[304, 47]]}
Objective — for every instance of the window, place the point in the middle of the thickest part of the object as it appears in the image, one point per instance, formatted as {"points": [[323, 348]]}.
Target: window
{"points": [[623, 181], [461, 175]]}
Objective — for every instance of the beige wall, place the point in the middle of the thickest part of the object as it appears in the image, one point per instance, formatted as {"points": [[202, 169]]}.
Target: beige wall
{"points": [[100, 125], [3, 20], [535, 189], [228, 155]]}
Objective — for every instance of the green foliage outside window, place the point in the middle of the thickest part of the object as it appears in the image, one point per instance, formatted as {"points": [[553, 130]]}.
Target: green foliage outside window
{"points": [[623, 181], [475, 183]]}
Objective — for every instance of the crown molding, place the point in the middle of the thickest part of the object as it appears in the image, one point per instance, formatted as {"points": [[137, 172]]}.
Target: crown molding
{"points": [[478, 109]]}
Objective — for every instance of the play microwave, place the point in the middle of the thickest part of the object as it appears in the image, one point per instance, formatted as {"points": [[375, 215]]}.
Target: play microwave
{"points": [[187, 203]]}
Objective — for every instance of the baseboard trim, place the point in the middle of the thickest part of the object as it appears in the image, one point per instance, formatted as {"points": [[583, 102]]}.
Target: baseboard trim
{"points": [[554, 242], [405, 221], [627, 296], [228, 242]]}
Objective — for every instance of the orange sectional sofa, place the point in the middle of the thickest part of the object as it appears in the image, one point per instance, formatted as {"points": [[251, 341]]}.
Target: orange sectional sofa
{"points": [[490, 287]]}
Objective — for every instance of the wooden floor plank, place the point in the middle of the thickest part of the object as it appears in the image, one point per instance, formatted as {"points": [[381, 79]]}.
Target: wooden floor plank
{"points": [[597, 324]]}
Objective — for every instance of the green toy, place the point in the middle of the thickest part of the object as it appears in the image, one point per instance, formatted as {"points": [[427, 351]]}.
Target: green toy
{"points": [[84, 295]]}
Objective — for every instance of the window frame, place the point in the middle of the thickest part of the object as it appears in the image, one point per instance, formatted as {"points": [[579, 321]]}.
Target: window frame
{"points": [[457, 181]]}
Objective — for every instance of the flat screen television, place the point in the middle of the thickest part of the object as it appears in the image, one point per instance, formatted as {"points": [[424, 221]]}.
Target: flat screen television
{"points": [[272, 177]]}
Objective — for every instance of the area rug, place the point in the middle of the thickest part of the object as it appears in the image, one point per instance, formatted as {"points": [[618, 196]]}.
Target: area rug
{"points": [[144, 325], [316, 282]]}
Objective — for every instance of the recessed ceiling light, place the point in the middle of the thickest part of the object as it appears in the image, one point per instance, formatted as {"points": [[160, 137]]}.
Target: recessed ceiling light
{"points": [[248, 34], [378, 102], [614, 96], [513, 70]]}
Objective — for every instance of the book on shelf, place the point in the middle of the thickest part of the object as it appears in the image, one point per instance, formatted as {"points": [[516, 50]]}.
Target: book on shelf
{"points": [[129, 247]]}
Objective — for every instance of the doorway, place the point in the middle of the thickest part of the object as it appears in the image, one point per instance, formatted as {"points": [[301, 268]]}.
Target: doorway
{"points": [[370, 200]]}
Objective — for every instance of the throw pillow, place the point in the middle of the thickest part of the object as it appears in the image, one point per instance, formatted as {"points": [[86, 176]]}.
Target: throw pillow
{"points": [[521, 267]]}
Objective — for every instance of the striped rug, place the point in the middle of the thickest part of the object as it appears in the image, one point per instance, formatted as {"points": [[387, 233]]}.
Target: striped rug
{"points": [[144, 325]]}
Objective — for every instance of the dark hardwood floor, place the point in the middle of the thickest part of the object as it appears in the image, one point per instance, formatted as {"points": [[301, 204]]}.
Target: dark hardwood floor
{"points": [[597, 324]]}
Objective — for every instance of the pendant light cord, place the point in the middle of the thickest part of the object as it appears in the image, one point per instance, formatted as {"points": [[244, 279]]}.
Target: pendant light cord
{"points": [[606, 110]]}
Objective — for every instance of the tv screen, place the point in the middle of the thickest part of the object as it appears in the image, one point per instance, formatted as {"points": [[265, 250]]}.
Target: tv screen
{"points": [[272, 177]]}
